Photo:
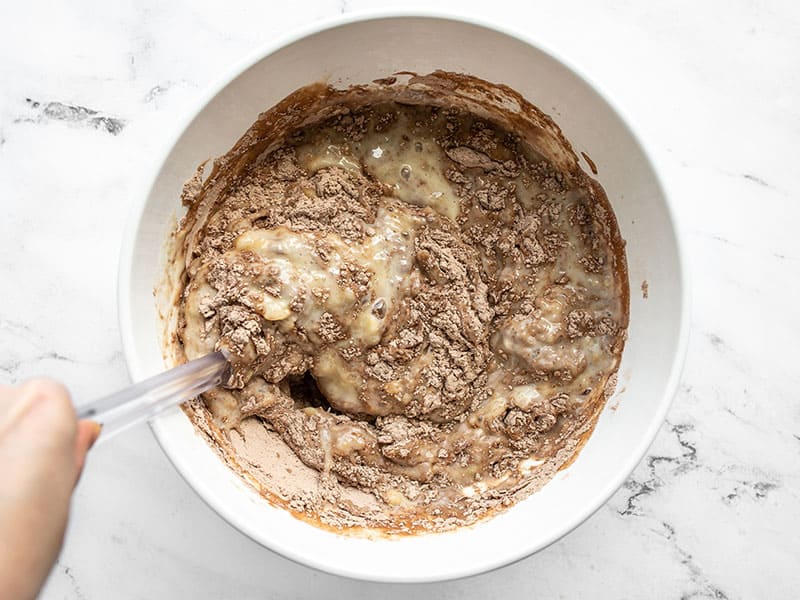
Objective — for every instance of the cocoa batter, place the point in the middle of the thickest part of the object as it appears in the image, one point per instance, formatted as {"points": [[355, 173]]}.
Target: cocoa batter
{"points": [[424, 297]]}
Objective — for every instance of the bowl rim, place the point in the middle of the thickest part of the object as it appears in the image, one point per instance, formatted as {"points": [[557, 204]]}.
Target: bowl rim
{"points": [[193, 108]]}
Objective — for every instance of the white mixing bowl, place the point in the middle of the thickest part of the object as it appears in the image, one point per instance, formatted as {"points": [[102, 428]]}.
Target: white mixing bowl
{"points": [[359, 50]]}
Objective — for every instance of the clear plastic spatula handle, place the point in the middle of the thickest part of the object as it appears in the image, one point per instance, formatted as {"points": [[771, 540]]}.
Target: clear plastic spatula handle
{"points": [[144, 400]]}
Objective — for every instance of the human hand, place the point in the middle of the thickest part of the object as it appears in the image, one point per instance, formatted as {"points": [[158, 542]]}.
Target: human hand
{"points": [[42, 450]]}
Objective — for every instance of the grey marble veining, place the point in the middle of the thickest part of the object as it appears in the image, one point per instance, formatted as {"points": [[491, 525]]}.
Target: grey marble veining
{"points": [[91, 91]]}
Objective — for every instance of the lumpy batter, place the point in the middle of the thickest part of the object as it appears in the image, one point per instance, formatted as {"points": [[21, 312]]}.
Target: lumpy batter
{"points": [[423, 310]]}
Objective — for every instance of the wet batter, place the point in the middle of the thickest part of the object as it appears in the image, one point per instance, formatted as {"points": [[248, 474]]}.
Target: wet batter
{"points": [[421, 307]]}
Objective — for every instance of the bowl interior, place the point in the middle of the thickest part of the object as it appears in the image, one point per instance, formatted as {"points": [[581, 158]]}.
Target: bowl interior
{"points": [[651, 361]]}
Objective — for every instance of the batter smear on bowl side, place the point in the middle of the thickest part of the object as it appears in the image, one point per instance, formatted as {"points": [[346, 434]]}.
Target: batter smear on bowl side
{"points": [[424, 296]]}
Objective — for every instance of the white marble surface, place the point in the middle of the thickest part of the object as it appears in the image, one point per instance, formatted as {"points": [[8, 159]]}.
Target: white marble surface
{"points": [[713, 510]]}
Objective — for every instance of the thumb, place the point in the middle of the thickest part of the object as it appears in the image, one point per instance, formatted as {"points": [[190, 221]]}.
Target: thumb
{"points": [[88, 432]]}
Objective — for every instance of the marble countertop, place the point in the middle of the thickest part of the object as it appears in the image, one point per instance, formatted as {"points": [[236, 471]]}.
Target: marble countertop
{"points": [[90, 91]]}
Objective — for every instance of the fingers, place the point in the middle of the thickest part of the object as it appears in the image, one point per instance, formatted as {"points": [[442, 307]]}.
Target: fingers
{"points": [[41, 408], [44, 409], [38, 400]]}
